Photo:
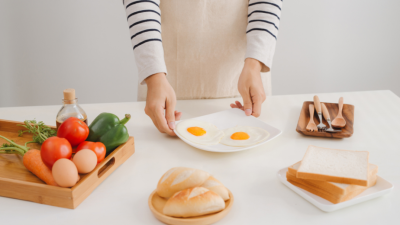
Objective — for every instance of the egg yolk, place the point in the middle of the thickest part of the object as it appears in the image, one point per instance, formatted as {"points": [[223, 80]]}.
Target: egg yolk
{"points": [[240, 136], [196, 131]]}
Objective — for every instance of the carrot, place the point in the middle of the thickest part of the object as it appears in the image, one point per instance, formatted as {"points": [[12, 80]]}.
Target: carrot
{"points": [[33, 162]]}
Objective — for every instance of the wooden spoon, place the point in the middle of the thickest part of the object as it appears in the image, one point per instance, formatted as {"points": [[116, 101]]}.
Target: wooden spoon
{"points": [[339, 121]]}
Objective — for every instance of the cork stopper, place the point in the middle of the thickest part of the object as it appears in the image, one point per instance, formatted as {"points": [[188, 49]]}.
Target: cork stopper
{"points": [[69, 94]]}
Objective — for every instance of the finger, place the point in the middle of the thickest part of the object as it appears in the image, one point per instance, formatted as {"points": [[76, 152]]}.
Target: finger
{"points": [[257, 108], [178, 115], [150, 113], [155, 123], [170, 113], [234, 106], [239, 104], [162, 122], [247, 103]]}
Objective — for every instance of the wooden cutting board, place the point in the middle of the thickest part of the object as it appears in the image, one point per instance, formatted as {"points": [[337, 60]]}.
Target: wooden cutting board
{"points": [[18, 182], [333, 109]]}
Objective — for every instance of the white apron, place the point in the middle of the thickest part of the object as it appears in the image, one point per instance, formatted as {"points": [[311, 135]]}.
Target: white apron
{"points": [[204, 45]]}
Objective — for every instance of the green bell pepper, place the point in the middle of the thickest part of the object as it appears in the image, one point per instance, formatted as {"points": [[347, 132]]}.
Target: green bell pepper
{"points": [[109, 130]]}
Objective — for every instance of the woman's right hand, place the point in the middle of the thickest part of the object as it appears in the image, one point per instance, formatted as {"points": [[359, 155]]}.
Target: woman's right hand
{"points": [[161, 96]]}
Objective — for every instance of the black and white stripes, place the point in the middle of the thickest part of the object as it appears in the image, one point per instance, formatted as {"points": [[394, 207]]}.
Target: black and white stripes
{"points": [[264, 16], [144, 19], [143, 11], [262, 30]]}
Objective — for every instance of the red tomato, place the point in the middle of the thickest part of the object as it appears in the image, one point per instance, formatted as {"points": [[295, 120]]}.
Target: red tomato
{"points": [[53, 149], [74, 130], [97, 147]]}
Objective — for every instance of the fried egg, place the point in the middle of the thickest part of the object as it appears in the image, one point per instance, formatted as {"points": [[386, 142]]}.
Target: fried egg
{"points": [[199, 132], [241, 136]]}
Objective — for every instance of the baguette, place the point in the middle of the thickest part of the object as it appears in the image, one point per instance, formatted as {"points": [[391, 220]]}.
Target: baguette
{"points": [[341, 166], [191, 202], [214, 185], [180, 178]]}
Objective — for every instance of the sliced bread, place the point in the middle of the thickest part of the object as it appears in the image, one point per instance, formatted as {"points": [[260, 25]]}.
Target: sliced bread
{"points": [[341, 166], [334, 198], [314, 191], [332, 187]]}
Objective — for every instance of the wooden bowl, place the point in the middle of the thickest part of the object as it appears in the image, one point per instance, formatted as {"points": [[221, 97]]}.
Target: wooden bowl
{"points": [[156, 204]]}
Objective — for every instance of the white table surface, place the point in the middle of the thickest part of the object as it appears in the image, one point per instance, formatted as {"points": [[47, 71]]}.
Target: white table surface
{"points": [[260, 198]]}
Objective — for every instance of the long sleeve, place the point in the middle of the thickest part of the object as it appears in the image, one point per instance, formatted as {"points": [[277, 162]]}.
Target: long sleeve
{"points": [[144, 20], [262, 30]]}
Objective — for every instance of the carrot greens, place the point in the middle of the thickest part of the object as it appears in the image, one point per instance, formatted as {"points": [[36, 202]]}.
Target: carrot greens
{"points": [[12, 147], [39, 130]]}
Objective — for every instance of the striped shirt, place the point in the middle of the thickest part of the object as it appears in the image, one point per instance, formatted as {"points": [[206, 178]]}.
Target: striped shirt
{"points": [[144, 20]]}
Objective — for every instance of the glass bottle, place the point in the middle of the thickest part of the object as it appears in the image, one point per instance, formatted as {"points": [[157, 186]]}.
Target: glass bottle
{"points": [[70, 108]]}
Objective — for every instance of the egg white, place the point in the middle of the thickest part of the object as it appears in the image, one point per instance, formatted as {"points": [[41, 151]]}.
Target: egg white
{"points": [[256, 134], [212, 136]]}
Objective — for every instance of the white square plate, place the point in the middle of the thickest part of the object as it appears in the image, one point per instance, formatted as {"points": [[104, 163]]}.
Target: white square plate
{"points": [[381, 187], [232, 118]]}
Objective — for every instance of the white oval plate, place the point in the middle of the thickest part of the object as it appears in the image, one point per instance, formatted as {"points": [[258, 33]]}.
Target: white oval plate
{"points": [[227, 119]]}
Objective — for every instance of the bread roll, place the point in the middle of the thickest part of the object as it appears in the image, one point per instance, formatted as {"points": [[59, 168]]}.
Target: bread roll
{"points": [[214, 185], [195, 201], [178, 179]]}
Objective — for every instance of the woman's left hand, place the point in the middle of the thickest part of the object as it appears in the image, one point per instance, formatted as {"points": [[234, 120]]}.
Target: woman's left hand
{"points": [[251, 88]]}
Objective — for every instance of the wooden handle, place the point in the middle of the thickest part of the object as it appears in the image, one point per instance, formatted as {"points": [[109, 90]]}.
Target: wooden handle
{"points": [[106, 167], [311, 108], [317, 104], [325, 112], [340, 106]]}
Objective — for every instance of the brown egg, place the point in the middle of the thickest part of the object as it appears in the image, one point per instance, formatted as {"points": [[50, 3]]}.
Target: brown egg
{"points": [[85, 160], [65, 173]]}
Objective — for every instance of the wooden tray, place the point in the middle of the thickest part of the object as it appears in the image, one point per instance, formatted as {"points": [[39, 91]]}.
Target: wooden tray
{"points": [[17, 182], [333, 108], [156, 204]]}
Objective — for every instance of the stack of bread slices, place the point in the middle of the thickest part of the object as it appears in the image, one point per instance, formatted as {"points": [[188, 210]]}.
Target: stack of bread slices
{"points": [[191, 192], [332, 174]]}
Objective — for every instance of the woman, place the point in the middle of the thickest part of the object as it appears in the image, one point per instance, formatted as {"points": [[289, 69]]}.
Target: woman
{"points": [[212, 49]]}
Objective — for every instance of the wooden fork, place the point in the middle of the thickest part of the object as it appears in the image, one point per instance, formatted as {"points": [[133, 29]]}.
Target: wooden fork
{"points": [[311, 126]]}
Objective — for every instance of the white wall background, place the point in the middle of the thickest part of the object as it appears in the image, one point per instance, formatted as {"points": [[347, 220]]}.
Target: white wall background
{"points": [[49, 45], [323, 46]]}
